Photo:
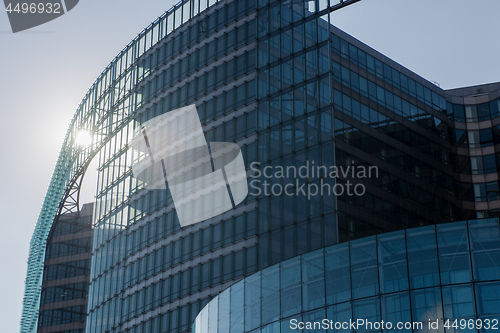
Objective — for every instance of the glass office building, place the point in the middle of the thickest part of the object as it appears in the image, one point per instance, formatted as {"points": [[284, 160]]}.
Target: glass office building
{"points": [[295, 94]]}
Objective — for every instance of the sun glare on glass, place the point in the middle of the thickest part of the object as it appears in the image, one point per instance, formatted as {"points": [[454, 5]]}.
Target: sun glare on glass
{"points": [[83, 138]]}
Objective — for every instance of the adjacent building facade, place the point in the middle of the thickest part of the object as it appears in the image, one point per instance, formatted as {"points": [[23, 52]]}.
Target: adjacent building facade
{"points": [[66, 275], [299, 96]]}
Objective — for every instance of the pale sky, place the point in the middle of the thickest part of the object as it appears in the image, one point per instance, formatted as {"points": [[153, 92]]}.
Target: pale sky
{"points": [[46, 71]]}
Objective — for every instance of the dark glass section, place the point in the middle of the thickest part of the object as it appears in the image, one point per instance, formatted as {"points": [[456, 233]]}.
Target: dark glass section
{"points": [[63, 303]]}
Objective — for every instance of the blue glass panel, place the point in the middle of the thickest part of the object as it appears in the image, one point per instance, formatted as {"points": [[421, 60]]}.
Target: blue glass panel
{"points": [[485, 246], [314, 317], [422, 257], [290, 325], [488, 299], [393, 270], [369, 311], [454, 259], [364, 269], [271, 328], [224, 311], [313, 281], [213, 315], [290, 287], [237, 309], [338, 279], [495, 108], [426, 305], [270, 294], [396, 309], [340, 313], [458, 303], [252, 301]]}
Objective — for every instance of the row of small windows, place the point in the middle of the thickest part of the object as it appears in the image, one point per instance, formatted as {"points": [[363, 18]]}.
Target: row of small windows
{"points": [[379, 95], [106, 287], [68, 248], [386, 125], [202, 241], [385, 207], [203, 84], [375, 119], [212, 272], [389, 154], [62, 316], [477, 138], [292, 41], [64, 293], [178, 320], [69, 227], [302, 67], [387, 73], [486, 191], [221, 105], [294, 135], [304, 98], [66, 270], [196, 32], [149, 202], [474, 113], [282, 14], [472, 138], [484, 164], [199, 58]]}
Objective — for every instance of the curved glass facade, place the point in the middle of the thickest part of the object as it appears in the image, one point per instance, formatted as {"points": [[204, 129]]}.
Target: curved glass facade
{"points": [[443, 272], [476, 136]]}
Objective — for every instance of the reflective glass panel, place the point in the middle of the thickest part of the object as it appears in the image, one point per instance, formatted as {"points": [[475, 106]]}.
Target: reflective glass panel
{"points": [[364, 269], [422, 257], [337, 274], [393, 270], [454, 253]]}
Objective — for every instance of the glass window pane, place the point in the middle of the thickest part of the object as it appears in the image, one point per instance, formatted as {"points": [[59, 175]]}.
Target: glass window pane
{"points": [[396, 309], [337, 274], [422, 257], [252, 301], [224, 311], [237, 307], [368, 310], [290, 287], [314, 317], [313, 287], [488, 299], [458, 303], [270, 295], [213, 315], [393, 269], [364, 267], [340, 313], [454, 259], [485, 247], [426, 305]]}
